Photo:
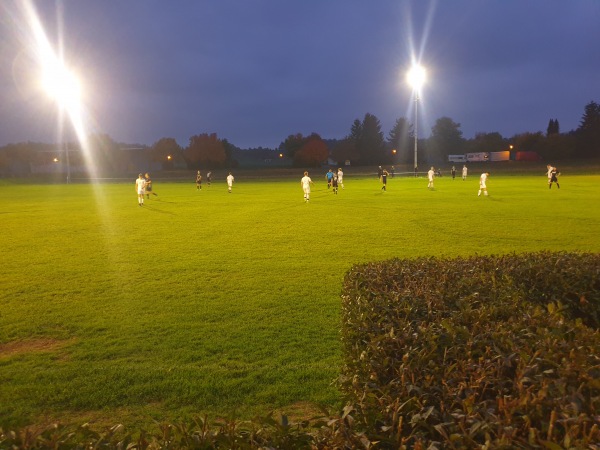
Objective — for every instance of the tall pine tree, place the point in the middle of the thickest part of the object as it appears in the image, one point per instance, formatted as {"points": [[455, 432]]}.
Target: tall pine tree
{"points": [[588, 132], [371, 146], [553, 127]]}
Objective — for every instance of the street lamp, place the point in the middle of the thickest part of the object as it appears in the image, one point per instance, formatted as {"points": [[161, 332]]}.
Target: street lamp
{"points": [[415, 78]]}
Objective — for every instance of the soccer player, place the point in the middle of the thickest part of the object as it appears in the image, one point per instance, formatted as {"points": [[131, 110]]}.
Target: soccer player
{"points": [[209, 177], [334, 184], [198, 181], [464, 172], [149, 185], [453, 172], [340, 176], [384, 176], [305, 182], [140, 189], [552, 176], [430, 176], [482, 184], [329, 176], [229, 182]]}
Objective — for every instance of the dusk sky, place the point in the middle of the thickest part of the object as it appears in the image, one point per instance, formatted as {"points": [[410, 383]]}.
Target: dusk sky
{"points": [[256, 71]]}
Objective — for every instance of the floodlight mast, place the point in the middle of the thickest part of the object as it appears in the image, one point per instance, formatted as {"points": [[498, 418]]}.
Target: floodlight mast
{"points": [[416, 79], [62, 85], [416, 130]]}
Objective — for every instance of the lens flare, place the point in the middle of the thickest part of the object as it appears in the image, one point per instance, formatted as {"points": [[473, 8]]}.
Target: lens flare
{"points": [[63, 86], [58, 81]]}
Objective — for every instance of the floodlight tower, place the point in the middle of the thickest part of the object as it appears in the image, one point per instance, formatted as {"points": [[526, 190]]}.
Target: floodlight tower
{"points": [[63, 86], [416, 78]]}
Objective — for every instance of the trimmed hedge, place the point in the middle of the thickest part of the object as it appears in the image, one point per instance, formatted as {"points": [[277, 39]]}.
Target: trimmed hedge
{"points": [[481, 352]]}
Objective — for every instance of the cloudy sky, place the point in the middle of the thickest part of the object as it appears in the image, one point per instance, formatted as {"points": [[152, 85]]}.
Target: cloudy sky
{"points": [[256, 71]]}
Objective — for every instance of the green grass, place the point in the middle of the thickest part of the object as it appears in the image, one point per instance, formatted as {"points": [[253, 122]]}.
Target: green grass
{"points": [[227, 303]]}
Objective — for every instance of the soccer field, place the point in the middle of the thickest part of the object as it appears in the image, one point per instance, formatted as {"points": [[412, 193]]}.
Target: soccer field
{"points": [[205, 301]]}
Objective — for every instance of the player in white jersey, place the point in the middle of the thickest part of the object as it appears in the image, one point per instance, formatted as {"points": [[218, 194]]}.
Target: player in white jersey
{"points": [[305, 182], [482, 184], [430, 176], [140, 189], [340, 177], [229, 182], [464, 172]]}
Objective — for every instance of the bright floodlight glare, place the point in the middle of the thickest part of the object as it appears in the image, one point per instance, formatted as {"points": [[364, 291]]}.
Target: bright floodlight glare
{"points": [[62, 85], [416, 77], [58, 81]]}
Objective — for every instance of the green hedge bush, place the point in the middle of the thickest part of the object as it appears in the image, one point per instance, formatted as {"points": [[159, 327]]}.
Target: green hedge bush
{"points": [[481, 352]]}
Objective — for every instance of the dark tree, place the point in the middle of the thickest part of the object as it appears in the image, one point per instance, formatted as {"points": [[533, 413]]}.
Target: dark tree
{"points": [[371, 145], [446, 139], [205, 150], [529, 142], [356, 131], [345, 150], [553, 127], [558, 147], [589, 131], [487, 142], [401, 139], [230, 150], [591, 117], [167, 152], [292, 144]]}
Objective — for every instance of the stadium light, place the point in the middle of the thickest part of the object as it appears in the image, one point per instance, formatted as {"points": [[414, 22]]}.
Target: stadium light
{"points": [[57, 80], [63, 86], [416, 78]]}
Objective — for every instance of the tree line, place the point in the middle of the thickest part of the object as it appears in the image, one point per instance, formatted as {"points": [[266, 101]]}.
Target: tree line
{"points": [[365, 144]]}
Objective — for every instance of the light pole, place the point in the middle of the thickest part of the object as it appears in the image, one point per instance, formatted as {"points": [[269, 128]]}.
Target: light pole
{"points": [[415, 78], [63, 86], [68, 162], [416, 129]]}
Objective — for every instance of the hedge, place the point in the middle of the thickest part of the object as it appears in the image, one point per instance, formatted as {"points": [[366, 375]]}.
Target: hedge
{"points": [[480, 352]]}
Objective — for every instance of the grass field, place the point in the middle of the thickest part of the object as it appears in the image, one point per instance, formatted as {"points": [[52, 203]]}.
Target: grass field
{"points": [[204, 301]]}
